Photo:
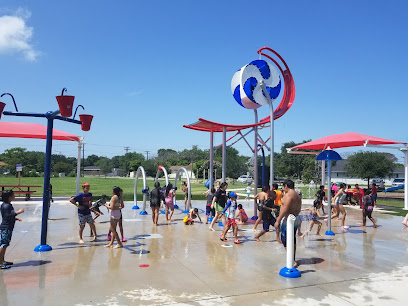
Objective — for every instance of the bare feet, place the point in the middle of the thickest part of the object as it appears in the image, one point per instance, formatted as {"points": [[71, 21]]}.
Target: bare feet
{"points": [[300, 233], [81, 241], [257, 239], [375, 225], [212, 229], [295, 265], [254, 229], [303, 236], [108, 246], [278, 240], [405, 223], [94, 239], [118, 246]]}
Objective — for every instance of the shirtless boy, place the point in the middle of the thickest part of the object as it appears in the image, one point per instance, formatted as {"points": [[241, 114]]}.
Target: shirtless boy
{"points": [[291, 205]]}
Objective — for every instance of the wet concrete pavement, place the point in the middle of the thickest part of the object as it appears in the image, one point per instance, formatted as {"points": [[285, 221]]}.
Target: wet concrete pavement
{"points": [[189, 265]]}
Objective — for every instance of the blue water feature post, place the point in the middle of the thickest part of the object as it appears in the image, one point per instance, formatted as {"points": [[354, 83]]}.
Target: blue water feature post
{"points": [[65, 111], [328, 155]]}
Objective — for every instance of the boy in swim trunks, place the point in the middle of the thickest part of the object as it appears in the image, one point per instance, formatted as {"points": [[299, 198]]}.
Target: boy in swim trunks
{"points": [[267, 218], [291, 205], [9, 217], [83, 201]]}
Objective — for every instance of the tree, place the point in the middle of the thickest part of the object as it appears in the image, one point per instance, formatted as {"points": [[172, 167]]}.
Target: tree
{"points": [[91, 160], [62, 167], [368, 165], [15, 156], [236, 164], [291, 165], [105, 165]]}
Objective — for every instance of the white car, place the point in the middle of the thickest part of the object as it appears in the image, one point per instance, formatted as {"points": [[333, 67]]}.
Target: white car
{"points": [[398, 182], [245, 179], [378, 182]]}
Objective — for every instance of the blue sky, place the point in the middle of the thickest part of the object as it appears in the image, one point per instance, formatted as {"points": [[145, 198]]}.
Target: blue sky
{"points": [[145, 68]]}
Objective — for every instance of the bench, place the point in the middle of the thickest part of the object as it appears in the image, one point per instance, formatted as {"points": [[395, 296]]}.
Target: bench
{"points": [[18, 189]]}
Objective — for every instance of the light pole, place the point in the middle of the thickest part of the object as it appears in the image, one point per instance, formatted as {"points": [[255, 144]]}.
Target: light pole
{"points": [[65, 109]]}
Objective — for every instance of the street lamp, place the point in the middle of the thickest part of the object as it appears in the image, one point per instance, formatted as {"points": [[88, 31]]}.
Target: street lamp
{"points": [[65, 104]]}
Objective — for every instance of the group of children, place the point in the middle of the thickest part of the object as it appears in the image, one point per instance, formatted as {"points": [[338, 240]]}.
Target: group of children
{"points": [[342, 196], [84, 200]]}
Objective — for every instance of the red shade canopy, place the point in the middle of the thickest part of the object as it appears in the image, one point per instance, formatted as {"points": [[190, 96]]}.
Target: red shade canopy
{"points": [[344, 140], [32, 130]]}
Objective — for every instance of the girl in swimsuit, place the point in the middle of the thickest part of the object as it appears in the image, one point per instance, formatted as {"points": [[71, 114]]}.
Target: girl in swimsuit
{"points": [[339, 199], [169, 195], [115, 206], [261, 197], [313, 218], [368, 208]]}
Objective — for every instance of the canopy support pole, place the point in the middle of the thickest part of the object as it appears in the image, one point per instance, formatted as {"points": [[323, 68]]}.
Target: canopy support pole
{"points": [[211, 175], [79, 164], [224, 154]]}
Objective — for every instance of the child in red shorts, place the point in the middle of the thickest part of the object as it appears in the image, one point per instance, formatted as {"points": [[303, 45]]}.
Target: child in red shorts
{"points": [[231, 218]]}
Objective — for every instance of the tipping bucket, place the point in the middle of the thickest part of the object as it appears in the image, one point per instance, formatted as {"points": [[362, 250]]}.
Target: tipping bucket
{"points": [[65, 104], [86, 122], [2, 105]]}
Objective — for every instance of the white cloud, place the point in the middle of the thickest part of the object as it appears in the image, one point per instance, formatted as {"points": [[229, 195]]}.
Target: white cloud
{"points": [[15, 35]]}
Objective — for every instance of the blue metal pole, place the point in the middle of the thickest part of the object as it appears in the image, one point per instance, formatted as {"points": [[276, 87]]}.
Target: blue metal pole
{"points": [[46, 194]]}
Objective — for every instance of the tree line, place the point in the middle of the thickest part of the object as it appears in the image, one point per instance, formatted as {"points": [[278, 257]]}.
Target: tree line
{"points": [[302, 167]]}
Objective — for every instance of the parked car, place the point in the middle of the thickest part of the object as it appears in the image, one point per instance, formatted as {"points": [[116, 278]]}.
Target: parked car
{"points": [[398, 182], [378, 182], [246, 179]]}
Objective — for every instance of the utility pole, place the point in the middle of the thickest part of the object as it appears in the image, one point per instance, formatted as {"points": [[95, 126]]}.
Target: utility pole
{"points": [[127, 150], [147, 155]]}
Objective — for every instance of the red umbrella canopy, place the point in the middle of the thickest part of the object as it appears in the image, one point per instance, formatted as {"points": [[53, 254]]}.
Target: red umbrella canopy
{"points": [[32, 130], [344, 140]]}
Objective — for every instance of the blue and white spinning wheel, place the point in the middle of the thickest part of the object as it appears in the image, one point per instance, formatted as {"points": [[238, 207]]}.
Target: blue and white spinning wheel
{"points": [[245, 84]]}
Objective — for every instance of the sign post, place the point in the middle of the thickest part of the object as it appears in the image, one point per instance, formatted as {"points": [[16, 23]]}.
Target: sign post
{"points": [[19, 168]]}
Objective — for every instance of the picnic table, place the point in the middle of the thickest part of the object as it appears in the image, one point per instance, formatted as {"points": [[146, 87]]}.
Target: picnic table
{"points": [[21, 189]]}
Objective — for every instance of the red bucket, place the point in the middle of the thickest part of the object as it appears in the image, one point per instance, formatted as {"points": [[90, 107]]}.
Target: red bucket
{"points": [[65, 104], [86, 122], [2, 105]]}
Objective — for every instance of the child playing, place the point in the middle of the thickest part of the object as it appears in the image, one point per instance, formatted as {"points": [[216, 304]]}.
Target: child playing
{"points": [[242, 216], [267, 207], [314, 214], [261, 197], [83, 201], [368, 208], [230, 220], [122, 205], [7, 225], [208, 210], [115, 206], [189, 219], [169, 195], [248, 191], [95, 206]]}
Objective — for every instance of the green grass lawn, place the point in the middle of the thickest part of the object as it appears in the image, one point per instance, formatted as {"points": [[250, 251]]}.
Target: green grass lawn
{"points": [[66, 186]]}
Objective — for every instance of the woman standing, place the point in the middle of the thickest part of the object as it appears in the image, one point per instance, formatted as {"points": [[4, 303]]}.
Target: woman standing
{"points": [[115, 206], [156, 197]]}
